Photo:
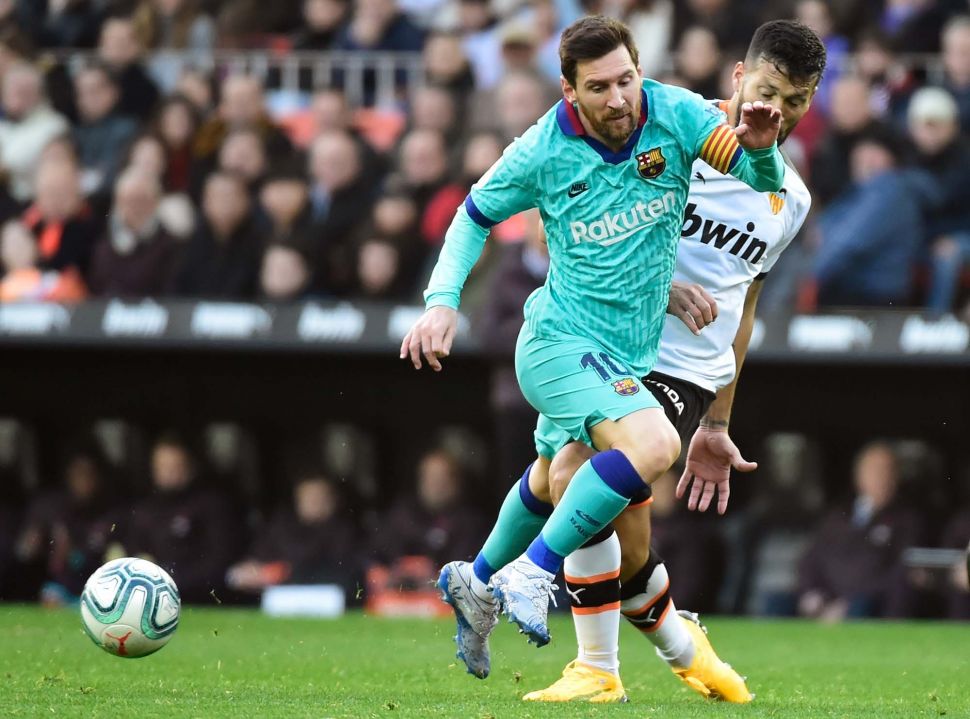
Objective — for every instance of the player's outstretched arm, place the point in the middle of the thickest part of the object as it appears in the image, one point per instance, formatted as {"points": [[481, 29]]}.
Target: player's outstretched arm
{"points": [[431, 337], [712, 453], [749, 151]]}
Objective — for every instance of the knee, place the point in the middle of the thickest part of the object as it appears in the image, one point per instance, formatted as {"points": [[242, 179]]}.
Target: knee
{"points": [[567, 460], [654, 454]]}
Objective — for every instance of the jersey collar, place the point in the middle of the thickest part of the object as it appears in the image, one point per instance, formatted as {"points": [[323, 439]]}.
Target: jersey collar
{"points": [[567, 117]]}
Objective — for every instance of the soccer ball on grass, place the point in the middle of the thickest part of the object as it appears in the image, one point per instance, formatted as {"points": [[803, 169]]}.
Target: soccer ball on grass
{"points": [[130, 607]]}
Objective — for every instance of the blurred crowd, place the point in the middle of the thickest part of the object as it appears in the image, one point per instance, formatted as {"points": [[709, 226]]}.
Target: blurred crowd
{"points": [[859, 546], [135, 165]]}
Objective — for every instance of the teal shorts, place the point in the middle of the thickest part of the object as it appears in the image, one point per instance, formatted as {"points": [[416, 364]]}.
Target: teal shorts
{"points": [[574, 384]]}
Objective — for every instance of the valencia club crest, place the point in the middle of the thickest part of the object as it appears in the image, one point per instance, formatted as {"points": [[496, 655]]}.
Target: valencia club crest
{"points": [[651, 163]]}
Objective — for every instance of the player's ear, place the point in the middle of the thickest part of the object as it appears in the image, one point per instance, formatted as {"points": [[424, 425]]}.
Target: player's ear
{"points": [[567, 90], [737, 76]]}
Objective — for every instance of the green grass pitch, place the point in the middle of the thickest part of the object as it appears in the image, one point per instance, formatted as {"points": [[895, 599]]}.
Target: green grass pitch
{"points": [[237, 663]]}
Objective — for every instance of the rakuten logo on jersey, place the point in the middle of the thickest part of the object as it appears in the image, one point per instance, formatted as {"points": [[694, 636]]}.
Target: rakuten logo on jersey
{"points": [[616, 227]]}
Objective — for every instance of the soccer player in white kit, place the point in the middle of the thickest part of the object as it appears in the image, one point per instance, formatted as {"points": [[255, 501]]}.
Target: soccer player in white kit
{"points": [[731, 237]]}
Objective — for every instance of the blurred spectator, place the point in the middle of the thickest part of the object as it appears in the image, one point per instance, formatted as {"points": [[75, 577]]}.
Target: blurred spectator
{"points": [[341, 197], [817, 14], [175, 211], [437, 521], [101, 135], [690, 546], [175, 25], [956, 65], [851, 117], [734, 22], [522, 267], [934, 128], [518, 46], [67, 529], [60, 219], [446, 65], [379, 270], [60, 23], [16, 47], [284, 204], [519, 100], [27, 126], [198, 88], [222, 258], [423, 167], [477, 25], [121, 50], [184, 527], [378, 25], [323, 20], [651, 22], [698, 61], [889, 80], [243, 154], [872, 233], [285, 274], [82, 529], [389, 255], [849, 567], [329, 110], [481, 152], [136, 257], [176, 124], [913, 25], [434, 108], [310, 541], [241, 106], [23, 280]]}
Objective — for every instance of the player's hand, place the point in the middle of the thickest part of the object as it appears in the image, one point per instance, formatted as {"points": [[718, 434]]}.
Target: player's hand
{"points": [[710, 457], [759, 125], [431, 337], [692, 305]]}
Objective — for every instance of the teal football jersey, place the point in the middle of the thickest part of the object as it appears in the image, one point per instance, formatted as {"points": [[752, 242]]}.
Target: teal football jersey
{"points": [[612, 219]]}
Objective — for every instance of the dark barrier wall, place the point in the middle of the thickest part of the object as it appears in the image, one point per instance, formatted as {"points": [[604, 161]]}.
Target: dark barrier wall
{"points": [[842, 380]]}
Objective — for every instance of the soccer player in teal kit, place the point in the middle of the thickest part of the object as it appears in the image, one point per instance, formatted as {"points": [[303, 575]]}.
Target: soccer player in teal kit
{"points": [[609, 170]]}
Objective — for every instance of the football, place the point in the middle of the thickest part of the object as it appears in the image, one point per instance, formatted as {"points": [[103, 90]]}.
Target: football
{"points": [[130, 607]]}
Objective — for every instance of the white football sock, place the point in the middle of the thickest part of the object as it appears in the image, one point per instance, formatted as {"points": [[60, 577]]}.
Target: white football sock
{"points": [[654, 614], [594, 572]]}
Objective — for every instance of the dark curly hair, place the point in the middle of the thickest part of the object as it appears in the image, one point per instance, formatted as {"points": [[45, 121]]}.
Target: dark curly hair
{"points": [[791, 46]]}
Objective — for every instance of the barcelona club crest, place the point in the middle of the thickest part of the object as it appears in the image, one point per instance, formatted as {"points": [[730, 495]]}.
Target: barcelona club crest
{"points": [[651, 163], [626, 386], [777, 200]]}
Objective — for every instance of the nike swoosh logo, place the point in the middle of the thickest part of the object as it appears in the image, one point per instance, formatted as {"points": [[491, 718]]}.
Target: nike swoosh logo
{"points": [[575, 191]]}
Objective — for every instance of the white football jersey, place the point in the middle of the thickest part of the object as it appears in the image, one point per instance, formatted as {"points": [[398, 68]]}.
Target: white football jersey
{"points": [[731, 235]]}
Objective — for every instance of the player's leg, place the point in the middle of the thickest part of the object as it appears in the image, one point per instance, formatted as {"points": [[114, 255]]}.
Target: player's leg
{"points": [[464, 585], [600, 490], [646, 603], [579, 386], [592, 583]]}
